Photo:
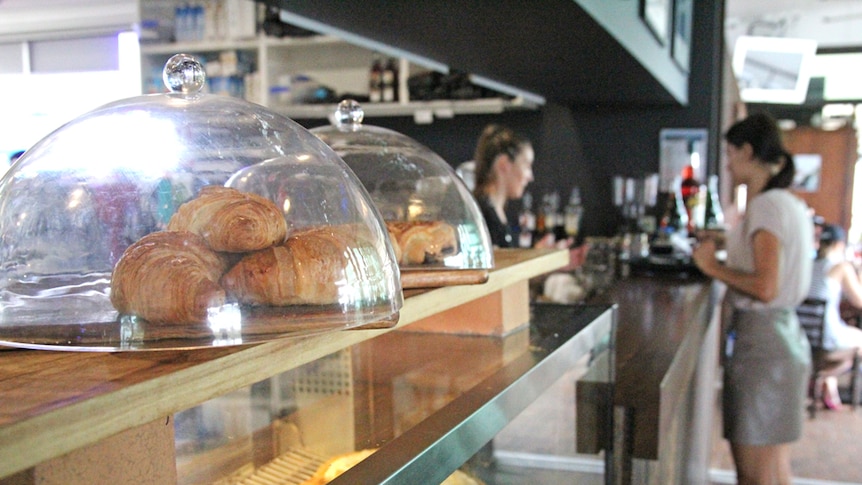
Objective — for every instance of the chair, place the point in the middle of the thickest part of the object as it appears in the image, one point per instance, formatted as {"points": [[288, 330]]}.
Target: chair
{"points": [[825, 363]]}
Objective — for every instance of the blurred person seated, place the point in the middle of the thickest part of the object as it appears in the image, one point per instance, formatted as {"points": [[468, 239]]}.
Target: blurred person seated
{"points": [[835, 278]]}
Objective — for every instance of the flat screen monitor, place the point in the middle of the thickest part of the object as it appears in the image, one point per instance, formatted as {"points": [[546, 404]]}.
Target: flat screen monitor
{"points": [[773, 69]]}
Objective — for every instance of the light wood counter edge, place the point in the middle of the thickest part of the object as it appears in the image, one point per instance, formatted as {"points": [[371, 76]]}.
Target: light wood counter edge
{"points": [[52, 433]]}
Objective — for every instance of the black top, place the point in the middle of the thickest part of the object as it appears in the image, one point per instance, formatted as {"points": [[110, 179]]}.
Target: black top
{"points": [[501, 234]]}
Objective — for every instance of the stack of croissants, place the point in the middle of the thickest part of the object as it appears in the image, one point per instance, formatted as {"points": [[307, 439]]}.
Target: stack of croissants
{"points": [[231, 246]]}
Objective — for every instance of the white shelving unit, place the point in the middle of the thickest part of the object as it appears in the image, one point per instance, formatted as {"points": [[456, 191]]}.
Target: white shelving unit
{"points": [[328, 60]]}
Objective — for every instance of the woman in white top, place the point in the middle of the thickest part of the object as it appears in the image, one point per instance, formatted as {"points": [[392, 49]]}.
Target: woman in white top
{"points": [[768, 273], [833, 278]]}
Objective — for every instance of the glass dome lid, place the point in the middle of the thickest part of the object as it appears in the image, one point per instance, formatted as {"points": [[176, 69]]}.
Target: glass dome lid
{"points": [[436, 226], [185, 220]]}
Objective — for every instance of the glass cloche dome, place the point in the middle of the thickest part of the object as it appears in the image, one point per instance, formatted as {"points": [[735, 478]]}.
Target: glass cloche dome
{"points": [[185, 220], [436, 227]]}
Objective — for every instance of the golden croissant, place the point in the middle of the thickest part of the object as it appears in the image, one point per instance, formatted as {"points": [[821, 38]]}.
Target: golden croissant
{"points": [[230, 220], [168, 277], [308, 269], [338, 464], [420, 242]]}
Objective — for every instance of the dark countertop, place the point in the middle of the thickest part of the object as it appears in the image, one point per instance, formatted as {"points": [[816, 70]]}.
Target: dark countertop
{"points": [[659, 317]]}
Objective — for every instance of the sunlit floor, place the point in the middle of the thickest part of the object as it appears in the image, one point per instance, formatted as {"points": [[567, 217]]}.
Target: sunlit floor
{"points": [[829, 453]]}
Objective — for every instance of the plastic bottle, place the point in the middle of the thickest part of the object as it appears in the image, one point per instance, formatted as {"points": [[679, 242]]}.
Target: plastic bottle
{"points": [[197, 21], [181, 22]]}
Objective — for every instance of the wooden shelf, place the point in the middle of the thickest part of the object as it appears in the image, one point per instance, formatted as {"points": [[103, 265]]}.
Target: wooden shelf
{"points": [[52, 403]]}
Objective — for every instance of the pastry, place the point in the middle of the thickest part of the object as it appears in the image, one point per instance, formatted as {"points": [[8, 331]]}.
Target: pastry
{"points": [[230, 220], [168, 277], [422, 242], [307, 269], [339, 464]]}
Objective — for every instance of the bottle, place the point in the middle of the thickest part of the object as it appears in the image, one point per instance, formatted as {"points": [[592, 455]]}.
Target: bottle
{"points": [[713, 214], [689, 188], [573, 213], [197, 13], [549, 212], [389, 81], [559, 226], [674, 218], [182, 23], [375, 79], [526, 222], [541, 219]]}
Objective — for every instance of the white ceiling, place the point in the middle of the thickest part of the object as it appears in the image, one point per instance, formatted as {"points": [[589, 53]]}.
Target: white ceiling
{"points": [[833, 23], [747, 8]]}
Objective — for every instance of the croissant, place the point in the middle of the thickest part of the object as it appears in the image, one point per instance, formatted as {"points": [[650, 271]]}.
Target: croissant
{"points": [[305, 270], [168, 277], [422, 241], [230, 220], [338, 464]]}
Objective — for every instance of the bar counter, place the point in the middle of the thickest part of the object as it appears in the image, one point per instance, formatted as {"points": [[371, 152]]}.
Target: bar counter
{"points": [[666, 364], [58, 404]]}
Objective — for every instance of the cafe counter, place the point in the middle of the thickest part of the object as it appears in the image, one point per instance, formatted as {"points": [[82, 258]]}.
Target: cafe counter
{"points": [[666, 368]]}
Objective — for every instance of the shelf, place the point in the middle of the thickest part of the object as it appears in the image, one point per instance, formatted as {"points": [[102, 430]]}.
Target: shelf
{"points": [[242, 44], [335, 63], [53, 403], [420, 110]]}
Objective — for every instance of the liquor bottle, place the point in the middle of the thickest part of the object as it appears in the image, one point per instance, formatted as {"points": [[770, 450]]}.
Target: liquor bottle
{"points": [[573, 213], [675, 217], [526, 222], [689, 188], [389, 81], [558, 221], [541, 220], [375, 80], [714, 215]]}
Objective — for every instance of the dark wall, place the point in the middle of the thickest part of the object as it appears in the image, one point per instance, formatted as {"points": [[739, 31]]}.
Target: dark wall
{"points": [[587, 145]]}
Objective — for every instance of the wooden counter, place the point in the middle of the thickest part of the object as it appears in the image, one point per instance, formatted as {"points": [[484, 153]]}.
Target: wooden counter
{"points": [[52, 403], [666, 362]]}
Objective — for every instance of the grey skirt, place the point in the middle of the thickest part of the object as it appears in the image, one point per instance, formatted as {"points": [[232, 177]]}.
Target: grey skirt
{"points": [[766, 376]]}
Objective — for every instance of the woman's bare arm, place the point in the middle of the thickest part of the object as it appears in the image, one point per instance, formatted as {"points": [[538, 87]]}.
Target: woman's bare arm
{"points": [[851, 287], [762, 283]]}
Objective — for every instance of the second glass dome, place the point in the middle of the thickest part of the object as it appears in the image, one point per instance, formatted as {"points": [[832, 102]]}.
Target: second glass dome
{"points": [[436, 227]]}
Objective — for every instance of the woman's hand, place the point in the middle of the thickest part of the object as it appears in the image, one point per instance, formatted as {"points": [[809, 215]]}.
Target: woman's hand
{"points": [[717, 236], [703, 256], [549, 241]]}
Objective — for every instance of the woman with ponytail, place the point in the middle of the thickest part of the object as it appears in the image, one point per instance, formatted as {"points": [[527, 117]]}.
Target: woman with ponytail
{"points": [[767, 274]]}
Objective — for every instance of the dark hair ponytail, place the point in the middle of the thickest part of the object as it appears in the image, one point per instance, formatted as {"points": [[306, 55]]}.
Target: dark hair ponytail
{"points": [[784, 177], [761, 131], [494, 140]]}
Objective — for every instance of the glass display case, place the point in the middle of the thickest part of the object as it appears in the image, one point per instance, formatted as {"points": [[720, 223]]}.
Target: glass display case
{"points": [[420, 406], [185, 220], [436, 226]]}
